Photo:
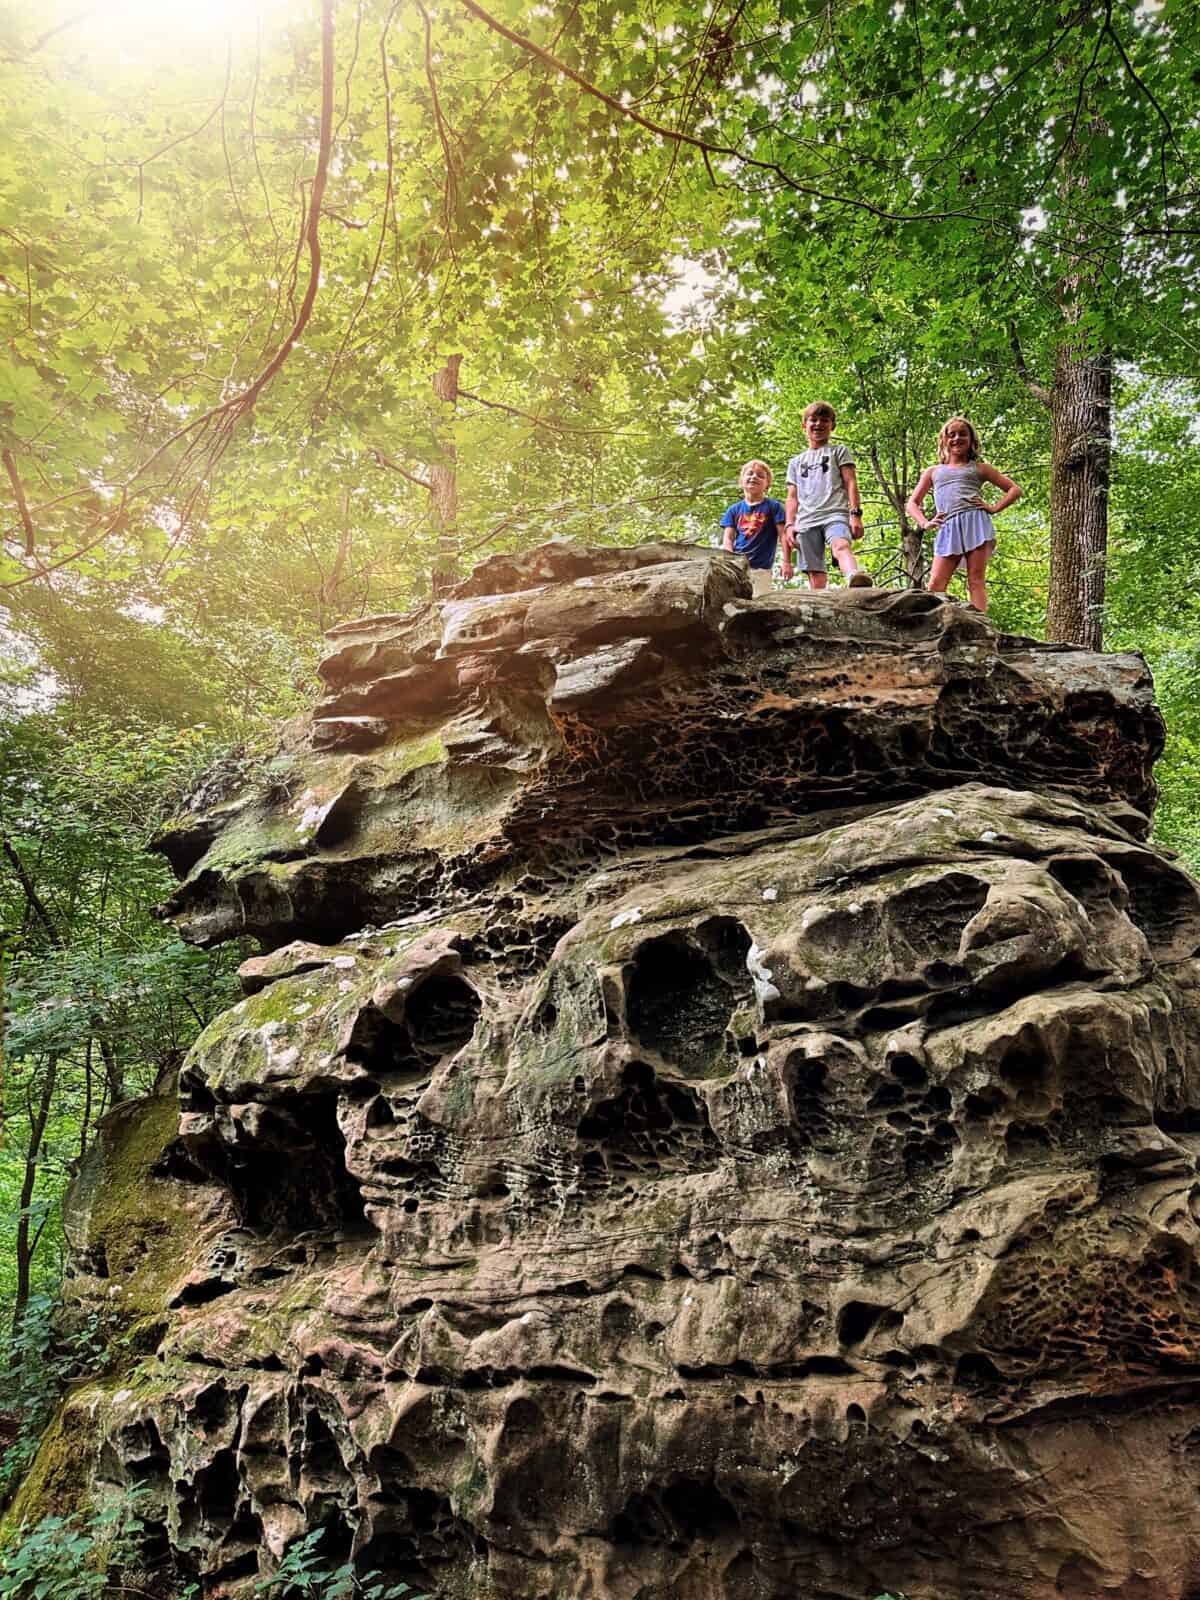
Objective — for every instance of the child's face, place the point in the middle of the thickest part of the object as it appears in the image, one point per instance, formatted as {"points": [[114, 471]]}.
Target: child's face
{"points": [[818, 429], [958, 441], [755, 481]]}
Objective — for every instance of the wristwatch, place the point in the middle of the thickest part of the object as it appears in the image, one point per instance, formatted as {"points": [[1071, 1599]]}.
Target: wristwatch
{"points": [[856, 511]]}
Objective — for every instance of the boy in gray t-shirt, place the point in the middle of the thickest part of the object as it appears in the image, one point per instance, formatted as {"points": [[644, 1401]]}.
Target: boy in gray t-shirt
{"points": [[822, 502]]}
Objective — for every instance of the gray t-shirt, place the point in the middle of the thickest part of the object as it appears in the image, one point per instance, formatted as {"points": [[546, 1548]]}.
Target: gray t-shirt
{"points": [[816, 476]]}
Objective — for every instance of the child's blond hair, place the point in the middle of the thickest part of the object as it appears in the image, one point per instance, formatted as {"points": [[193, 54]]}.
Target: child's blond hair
{"points": [[820, 408], [755, 463], [943, 443]]}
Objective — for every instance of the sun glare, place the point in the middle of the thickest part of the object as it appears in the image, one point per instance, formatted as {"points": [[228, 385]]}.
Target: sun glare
{"points": [[143, 27]]}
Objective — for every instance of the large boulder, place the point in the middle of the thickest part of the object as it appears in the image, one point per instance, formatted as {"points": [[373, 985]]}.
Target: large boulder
{"points": [[715, 1115]]}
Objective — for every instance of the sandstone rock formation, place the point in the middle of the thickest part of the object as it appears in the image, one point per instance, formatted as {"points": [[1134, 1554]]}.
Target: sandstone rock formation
{"points": [[716, 1116]]}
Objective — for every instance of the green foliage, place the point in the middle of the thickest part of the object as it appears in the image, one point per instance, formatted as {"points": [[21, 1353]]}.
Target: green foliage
{"points": [[36, 1363], [73, 1558], [926, 207], [305, 1573], [100, 997]]}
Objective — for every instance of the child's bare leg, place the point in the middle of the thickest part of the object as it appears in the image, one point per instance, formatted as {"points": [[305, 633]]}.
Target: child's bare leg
{"points": [[944, 568], [817, 580], [977, 564], [854, 575], [844, 557]]}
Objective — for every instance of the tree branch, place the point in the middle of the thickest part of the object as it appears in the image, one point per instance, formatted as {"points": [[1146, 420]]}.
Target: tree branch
{"points": [[706, 146], [450, 188], [14, 477], [229, 412], [36, 904], [1142, 85], [225, 143], [383, 460], [1038, 390], [61, 27], [388, 201], [538, 422], [114, 522]]}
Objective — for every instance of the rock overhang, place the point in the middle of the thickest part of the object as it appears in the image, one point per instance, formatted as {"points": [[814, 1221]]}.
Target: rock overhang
{"points": [[493, 735]]}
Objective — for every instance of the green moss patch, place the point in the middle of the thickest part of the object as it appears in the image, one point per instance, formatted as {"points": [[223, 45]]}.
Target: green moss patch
{"points": [[134, 1218], [59, 1481]]}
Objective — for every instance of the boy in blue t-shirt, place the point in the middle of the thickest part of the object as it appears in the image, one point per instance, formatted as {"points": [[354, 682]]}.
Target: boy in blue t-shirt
{"points": [[754, 525]]}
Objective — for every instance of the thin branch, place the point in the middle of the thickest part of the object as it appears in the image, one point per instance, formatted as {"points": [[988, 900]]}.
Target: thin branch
{"points": [[1038, 390], [294, 272], [1010, 83], [1142, 85], [450, 188], [222, 419], [388, 205], [693, 141], [191, 1005], [60, 27], [358, 16], [329, 584], [225, 142], [14, 477], [538, 422], [114, 522], [1069, 141], [384, 460], [346, 222], [254, 132], [245, 401], [34, 900], [170, 145]]}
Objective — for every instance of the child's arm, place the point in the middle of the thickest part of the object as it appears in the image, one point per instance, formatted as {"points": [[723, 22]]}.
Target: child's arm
{"points": [[786, 569], [915, 505], [1012, 491], [728, 530], [850, 480]]}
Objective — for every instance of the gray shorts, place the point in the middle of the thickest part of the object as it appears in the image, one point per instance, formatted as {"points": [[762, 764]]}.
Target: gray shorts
{"points": [[810, 543]]}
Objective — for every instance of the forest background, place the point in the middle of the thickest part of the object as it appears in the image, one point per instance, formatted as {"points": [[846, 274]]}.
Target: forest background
{"points": [[308, 307]]}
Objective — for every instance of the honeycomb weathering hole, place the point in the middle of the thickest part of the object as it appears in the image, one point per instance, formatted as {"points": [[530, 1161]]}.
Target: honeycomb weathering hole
{"points": [[933, 915], [680, 1003], [643, 1106], [860, 1318], [441, 1015], [651, 1125], [296, 1177]]}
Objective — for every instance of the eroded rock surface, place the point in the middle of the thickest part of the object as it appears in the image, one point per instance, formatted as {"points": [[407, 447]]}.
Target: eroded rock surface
{"points": [[716, 1115]]}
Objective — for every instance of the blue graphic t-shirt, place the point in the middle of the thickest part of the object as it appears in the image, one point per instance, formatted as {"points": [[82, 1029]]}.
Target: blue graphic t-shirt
{"points": [[757, 530]]}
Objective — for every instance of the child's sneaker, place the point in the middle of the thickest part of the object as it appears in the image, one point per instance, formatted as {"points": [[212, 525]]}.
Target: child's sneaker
{"points": [[860, 580]]}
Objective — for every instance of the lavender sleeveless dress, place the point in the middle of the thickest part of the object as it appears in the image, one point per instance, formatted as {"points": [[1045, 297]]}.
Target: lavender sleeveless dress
{"points": [[966, 527]]}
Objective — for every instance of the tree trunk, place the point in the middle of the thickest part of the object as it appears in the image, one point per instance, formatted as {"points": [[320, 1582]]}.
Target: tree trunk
{"points": [[912, 553], [114, 1072], [443, 481], [26, 1238], [1080, 410], [1080, 469]]}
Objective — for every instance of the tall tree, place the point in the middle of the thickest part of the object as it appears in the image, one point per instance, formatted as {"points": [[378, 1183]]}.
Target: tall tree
{"points": [[1034, 165]]}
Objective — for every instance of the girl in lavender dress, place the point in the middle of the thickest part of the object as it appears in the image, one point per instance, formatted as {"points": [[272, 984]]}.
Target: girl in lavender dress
{"points": [[963, 518]]}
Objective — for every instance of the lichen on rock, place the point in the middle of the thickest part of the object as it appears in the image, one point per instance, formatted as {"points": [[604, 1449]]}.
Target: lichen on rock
{"points": [[716, 1114]]}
